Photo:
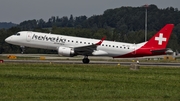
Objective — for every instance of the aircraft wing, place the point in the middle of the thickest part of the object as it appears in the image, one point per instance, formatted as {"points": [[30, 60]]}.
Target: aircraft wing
{"points": [[89, 49]]}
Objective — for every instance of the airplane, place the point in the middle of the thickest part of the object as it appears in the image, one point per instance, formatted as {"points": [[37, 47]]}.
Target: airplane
{"points": [[72, 46]]}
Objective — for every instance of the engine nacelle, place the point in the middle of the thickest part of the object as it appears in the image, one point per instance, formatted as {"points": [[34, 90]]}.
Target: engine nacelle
{"points": [[64, 51]]}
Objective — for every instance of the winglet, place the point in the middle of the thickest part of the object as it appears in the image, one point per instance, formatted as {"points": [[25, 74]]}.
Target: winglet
{"points": [[100, 42]]}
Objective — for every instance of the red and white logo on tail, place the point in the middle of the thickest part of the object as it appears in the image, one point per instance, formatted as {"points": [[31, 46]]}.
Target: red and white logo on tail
{"points": [[161, 38], [155, 46]]}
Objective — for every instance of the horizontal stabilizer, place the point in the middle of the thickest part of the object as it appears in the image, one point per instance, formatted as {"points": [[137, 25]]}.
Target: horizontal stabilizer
{"points": [[159, 50]]}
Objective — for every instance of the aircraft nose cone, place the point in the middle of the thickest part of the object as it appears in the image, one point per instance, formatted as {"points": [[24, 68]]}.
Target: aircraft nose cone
{"points": [[8, 39]]}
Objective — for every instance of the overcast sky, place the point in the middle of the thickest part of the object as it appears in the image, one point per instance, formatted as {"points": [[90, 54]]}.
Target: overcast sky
{"points": [[17, 11]]}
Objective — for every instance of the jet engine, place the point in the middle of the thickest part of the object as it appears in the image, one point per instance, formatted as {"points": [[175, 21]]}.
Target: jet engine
{"points": [[64, 51]]}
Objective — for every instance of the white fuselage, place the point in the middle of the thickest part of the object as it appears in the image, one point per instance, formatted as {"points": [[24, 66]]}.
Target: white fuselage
{"points": [[53, 42]]}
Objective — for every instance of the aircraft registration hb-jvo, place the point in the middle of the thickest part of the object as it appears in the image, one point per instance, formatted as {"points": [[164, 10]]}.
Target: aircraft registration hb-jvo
{"points": [[73, 46]]}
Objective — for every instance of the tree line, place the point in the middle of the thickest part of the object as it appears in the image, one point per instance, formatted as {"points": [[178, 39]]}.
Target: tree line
{"points": [[120, 24]]}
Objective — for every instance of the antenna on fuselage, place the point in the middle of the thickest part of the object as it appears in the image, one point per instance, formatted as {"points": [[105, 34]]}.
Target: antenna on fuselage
{"points": [[50, 30]]}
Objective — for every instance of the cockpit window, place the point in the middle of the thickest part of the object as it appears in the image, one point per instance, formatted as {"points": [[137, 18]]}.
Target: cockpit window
{"points": [[18, 34]]}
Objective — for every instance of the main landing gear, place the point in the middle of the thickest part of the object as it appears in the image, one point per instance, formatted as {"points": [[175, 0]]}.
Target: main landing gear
{"points": [[85, 60]]}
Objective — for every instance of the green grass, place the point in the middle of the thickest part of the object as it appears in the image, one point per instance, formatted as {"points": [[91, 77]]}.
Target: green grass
{"points": [[29, 82]]}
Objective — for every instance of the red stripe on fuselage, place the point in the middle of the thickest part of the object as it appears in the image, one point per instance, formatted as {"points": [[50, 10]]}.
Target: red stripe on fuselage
{"points": [[140, 53]]}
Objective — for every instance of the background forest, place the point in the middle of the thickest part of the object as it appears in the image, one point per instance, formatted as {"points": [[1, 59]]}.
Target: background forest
{"points": [[124, 24]]}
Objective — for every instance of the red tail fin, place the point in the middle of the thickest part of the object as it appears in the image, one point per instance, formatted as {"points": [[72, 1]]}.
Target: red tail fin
{"points": [[161, 38]]}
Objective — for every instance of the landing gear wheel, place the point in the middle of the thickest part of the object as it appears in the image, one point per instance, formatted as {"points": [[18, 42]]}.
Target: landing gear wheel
{"points": [[86, 60]]}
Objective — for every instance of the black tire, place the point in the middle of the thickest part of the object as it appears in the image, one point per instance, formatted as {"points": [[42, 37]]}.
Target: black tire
{"points": [[85, 60]]}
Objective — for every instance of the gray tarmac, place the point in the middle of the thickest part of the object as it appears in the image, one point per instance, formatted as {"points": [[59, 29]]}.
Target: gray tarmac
{"points": [[94, 62], [54, 58]]}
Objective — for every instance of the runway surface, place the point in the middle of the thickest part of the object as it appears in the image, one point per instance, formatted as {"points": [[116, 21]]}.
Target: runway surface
{"points": [[54, 58], [93, 62]]}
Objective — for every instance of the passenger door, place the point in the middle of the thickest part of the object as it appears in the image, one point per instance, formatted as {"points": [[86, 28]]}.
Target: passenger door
{"points": [[28, 36]]}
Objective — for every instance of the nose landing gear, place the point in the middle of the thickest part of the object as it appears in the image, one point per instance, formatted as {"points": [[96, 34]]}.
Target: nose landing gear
{"points": [[22, 49]]}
